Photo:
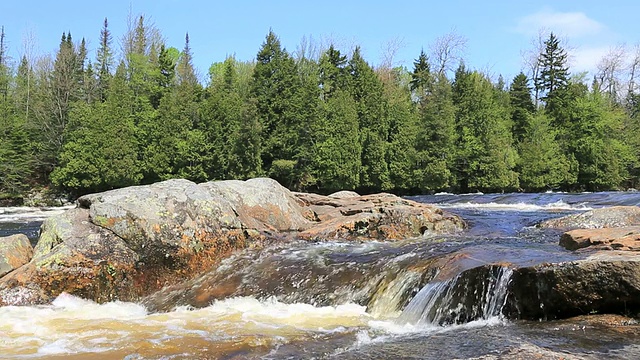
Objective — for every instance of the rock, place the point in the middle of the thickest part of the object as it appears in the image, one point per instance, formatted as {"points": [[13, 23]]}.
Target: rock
{"points": [[15, 251], [128, 243], [378, 216], [261, 204], [344, 194], [622, 238], [615, 216], [604, 282], [528, 352]]}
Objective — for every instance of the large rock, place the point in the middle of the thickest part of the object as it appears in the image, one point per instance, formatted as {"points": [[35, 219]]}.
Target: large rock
{"points": [[127, 243], [15, 251], [378, 216], [615, 216], [622, 238], [604, 282]]}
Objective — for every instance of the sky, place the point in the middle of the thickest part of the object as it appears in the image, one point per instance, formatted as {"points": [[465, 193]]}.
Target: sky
{"points": [[497, 33]]}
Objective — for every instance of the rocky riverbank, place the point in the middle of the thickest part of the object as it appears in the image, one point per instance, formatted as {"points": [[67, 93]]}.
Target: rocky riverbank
{"points": [[127, 243]]}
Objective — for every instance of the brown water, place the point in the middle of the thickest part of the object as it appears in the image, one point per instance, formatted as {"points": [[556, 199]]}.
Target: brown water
{"points": [[334, 300]]}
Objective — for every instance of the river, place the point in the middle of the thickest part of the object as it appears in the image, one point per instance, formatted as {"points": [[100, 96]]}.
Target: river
{"points": [[333, 300]]}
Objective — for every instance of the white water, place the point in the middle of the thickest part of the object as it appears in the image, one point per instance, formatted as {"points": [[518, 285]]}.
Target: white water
{"points": [[115, 330], [20, 214], [492, 206], [438, 302]]}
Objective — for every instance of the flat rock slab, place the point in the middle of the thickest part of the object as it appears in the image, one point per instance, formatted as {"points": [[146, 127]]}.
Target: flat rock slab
{"points": [[615, 216], [621, 238], [382, 216]]}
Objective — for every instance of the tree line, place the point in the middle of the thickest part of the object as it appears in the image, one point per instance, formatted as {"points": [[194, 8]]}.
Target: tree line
{"points": [[315, 123]]}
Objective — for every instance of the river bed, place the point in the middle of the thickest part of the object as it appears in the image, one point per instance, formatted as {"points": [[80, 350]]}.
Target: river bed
{"points": [[305, 300]]}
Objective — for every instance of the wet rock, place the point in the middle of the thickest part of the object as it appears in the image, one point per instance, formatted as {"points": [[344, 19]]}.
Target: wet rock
{"points": [[528, 352], [15, 251], [128, 243], [615, 216], [603, 283], [622, 238], [378, 216]]}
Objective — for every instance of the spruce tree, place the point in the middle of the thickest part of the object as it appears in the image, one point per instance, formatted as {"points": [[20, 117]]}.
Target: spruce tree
{"points": [[104, 60], [553, 78]]}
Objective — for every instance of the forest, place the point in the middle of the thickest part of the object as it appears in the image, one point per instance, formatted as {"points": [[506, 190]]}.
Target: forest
{"points": [[317, 121]]}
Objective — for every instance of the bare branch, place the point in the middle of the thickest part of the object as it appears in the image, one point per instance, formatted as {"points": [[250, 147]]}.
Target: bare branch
{"points": [[447, 50]]}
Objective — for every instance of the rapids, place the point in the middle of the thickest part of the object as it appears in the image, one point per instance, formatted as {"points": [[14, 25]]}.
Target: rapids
{"points": [[338, 300]]}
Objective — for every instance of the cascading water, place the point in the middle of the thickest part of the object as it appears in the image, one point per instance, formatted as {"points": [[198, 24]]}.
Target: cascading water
{"points": [[418, 298], [459, 299]]}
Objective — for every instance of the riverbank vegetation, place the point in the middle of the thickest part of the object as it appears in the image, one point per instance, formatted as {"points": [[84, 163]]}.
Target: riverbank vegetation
{"points": [[316, 120]]}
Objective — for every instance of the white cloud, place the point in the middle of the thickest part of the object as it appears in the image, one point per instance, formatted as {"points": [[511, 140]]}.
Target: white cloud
{"points": [[587, 58], [572, 24]]}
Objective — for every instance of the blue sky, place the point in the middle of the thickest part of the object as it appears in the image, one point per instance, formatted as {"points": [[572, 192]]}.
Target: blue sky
{"points": [[497, 32]]}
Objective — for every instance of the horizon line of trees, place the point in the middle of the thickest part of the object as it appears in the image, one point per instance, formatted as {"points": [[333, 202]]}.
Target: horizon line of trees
{"points": [[314, 123]]}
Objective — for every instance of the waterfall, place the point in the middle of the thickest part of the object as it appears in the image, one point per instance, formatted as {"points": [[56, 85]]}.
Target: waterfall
{"points": [[478, 293]]}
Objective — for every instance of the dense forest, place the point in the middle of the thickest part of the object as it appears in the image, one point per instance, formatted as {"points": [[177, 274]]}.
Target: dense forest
{"points": [[317, 121]]}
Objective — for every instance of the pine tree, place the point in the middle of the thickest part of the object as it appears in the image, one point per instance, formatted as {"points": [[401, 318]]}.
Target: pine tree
{"points": [[337, 145], [101, 151]]}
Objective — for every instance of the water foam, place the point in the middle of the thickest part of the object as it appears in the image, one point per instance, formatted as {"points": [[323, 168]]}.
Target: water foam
{"points": [[21, 214], [492, 206]]}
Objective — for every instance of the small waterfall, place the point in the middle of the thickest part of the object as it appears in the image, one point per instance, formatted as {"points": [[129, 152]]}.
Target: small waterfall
{"points": [[478, 293]]}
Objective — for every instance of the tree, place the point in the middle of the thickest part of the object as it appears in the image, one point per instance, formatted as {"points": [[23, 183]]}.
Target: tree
{"points": [[522, 107], [553, 78], [104, 60], [542, 164], [421, 78], [598, 143], [367, 91], [336, 161], [485, 156], [446, 50], [276, 90], [101, 150], [436, 137]]}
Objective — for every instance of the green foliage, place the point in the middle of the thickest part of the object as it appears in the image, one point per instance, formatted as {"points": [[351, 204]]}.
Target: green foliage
{"points": [[542, 165], [485, 156], [323, 124], [368, 93], [522, 106]]}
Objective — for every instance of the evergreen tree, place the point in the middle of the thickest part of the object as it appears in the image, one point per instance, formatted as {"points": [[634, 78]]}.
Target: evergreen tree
{"points": [[421, 78], [104, 60], [337, 144], [522, 107], [101, 149], [553, 78], [485, 156], [367, 91], [333, 74], [403, 127], [436, 137], [542, 164], [276, 90]]}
